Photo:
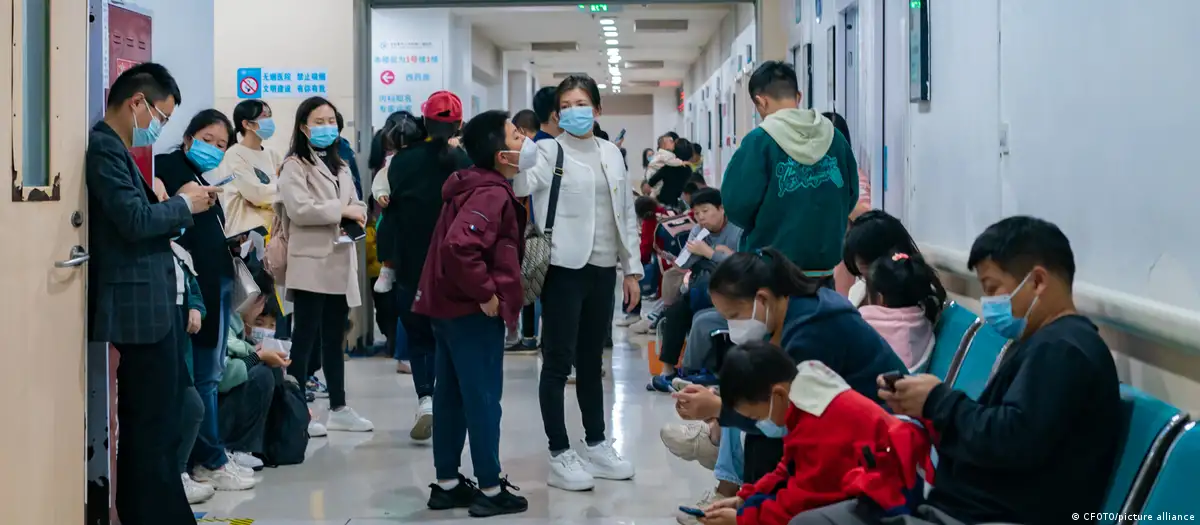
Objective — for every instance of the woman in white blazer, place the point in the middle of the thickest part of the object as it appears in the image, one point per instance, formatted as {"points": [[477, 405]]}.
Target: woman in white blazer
{"points": [[595, 236], [317, 193]]}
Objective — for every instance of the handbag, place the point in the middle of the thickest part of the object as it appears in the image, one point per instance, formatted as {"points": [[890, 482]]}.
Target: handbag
{"points": [[245, 290], [539, 241]]}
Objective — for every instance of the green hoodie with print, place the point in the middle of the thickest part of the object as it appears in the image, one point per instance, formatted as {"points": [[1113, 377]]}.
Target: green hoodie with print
{"points": [[791, 185]]}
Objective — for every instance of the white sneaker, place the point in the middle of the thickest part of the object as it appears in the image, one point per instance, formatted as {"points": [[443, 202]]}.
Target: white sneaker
{"points": [[690, 442], [707, 499], [224, 478], [316, 429], [345, 419], [602, 461], [629, 320], [640, 327], [383, 284], [244, 472], [245, 459], [568, 472], [422, 430], [196, 492]]}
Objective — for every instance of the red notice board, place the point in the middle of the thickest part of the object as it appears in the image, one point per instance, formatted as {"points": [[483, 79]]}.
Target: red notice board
{"points": [[129, 45]]}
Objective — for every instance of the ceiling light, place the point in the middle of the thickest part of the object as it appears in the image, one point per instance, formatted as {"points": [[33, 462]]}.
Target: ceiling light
{"points": [[601, 86], [614, 51], [616, 81], [616, 89], [615, 59], [612, 42], [610, 34], [614, 70], [607, 21]]}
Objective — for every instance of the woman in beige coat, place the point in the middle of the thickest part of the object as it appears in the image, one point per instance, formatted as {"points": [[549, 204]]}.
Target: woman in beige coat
{"points": [[317, 194]]}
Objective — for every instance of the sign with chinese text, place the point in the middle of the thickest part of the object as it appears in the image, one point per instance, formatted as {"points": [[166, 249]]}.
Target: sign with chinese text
{"points": [[257, 82], [406, 72]]}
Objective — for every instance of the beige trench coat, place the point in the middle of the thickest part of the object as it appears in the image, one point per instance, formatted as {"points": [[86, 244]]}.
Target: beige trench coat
{"points": [[313, 199]]}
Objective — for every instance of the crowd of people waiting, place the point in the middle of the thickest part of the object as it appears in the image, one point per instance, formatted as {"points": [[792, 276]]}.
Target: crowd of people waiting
{"points": [[226, 282]]}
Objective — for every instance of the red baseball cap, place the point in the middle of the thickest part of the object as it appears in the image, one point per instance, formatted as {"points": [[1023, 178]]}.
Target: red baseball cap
{"points": [[443, 106]]}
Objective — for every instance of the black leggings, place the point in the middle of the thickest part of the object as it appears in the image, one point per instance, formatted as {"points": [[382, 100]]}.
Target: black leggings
{"points": [[317, 336], [676, 323]]}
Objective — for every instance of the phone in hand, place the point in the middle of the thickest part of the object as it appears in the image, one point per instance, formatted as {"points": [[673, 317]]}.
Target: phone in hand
{"points": [[353, 230], [620, 136], [692, 511], [223, 181], [890, 378]]}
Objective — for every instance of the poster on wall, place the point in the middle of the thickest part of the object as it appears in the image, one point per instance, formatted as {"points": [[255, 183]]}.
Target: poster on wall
{"points": [[259, 82], [406, 72]]}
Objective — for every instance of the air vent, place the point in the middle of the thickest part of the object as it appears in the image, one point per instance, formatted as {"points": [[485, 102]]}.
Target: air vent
{"points": [[555, 47], [660, 26], [644, 64], [641, 83], [565, 75]]}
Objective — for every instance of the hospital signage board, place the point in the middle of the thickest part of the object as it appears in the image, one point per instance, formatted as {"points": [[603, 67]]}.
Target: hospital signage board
{"points": [[405, 73], [259, 82]]}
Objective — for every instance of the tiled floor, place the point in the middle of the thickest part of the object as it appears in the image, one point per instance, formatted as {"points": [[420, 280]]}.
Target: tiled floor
{"points": [[380, 478]]}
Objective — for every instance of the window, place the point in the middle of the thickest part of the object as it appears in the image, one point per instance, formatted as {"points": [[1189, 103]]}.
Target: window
{"points": [[31, 82]]}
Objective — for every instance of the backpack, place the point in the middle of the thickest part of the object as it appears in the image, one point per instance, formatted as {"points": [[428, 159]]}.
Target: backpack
{"points": [[275, 258], [286, 435]]}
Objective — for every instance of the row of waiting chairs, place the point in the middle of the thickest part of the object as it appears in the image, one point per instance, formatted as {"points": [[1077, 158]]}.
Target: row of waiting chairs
{"points": [[1159, 455]]}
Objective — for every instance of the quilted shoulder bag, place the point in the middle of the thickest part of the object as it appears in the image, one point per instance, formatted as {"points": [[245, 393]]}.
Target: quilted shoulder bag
{"points": [[538, 241]]}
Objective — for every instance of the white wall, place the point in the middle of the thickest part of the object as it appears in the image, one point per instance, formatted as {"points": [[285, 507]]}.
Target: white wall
{"points": [[182, 40], [666, 113], [713, 80]]}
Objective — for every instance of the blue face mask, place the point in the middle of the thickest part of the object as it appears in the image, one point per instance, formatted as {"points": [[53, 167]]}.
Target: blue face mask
{"points": [[576, 120], [322, 136], [204, 155], [997, 312], [148, 135], [768, 427], [266, 128]]}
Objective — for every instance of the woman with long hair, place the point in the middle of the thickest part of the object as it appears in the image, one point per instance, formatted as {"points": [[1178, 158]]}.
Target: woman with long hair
{"points": [[317, 194]]}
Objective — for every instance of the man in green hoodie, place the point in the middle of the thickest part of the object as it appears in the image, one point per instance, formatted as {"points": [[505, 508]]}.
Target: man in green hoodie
{"points": [[793, 180]]}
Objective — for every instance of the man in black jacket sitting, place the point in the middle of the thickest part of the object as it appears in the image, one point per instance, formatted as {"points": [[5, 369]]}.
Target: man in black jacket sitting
{"points": [[1040, 443]]}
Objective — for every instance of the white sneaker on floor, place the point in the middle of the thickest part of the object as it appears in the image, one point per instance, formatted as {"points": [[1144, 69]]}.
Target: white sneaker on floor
{"points": [[568, 472], [422, 430], [245, 459], [690, 441], [345, 419], [384, 283], [316, 429], [679, 383], [602, 461], [196, 492], [244, 472], [629, 320], [640, 327], [707, 499], [225, 478]]}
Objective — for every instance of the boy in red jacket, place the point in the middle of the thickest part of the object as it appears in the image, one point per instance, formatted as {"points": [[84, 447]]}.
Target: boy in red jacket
{"points": [[471, 288], [837, 444]]}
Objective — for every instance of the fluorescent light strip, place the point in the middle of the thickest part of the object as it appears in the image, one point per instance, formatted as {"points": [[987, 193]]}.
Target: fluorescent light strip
{"points": [[611, 42], [602, 86], [613, 51], [607, 21], [610, 34]]}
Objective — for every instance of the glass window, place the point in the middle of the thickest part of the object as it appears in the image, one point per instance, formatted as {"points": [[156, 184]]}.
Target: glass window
{"points": [[34, 58]]}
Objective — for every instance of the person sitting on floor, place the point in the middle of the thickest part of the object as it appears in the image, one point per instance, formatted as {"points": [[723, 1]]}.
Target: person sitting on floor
{"points": [[837, 444], [1039, 443], [903, 306]]}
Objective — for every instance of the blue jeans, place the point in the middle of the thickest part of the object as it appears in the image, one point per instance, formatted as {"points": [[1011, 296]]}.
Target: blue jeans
{"points": [[731, 457], [470, 380], [420, 344], [208, 363]]}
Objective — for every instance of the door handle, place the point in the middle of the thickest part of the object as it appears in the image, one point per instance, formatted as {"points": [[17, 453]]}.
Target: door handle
{"points": [[78, 257]]}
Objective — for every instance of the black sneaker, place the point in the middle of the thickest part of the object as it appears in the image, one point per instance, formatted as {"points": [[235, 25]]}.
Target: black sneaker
{"points": [[503, 503], [459, 497]]}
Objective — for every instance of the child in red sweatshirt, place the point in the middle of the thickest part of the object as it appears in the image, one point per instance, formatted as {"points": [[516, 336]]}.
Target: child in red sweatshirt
{"points": [[471, 288], [837, 443]]}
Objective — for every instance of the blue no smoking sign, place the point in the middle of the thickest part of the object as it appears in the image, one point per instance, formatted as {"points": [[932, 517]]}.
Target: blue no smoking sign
{"points": [[249, 82]]}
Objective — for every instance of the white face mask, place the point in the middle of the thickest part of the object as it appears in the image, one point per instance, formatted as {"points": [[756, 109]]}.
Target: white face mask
{"points": [[527, 157], [742, 331]]}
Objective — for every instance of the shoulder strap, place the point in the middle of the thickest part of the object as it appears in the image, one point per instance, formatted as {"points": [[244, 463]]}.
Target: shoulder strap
{"points": [[555, 186]]}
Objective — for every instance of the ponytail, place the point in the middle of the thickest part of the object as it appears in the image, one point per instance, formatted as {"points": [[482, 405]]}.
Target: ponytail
{"points": [[743, 274], [903, 281]]}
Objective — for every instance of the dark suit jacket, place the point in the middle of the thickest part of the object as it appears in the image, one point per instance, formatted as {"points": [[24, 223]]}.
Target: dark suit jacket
{"points": [[205, 241], [131, 276]]}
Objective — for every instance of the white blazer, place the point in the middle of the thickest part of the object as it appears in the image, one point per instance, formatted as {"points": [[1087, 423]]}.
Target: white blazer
{"points": [[575, 218]]}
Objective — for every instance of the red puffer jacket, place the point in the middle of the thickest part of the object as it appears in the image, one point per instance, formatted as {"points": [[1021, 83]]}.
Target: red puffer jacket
{"points": [[840, 445], [476, 249]]}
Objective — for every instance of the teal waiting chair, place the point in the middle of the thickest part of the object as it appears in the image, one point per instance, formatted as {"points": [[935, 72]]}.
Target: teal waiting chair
{"points": [[954, 329], [1150, 427], [1173, 492], [973, 368]]}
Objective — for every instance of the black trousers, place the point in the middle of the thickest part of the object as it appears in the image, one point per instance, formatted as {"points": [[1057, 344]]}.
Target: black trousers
{"points": [[676, 323], [422, 348], [386, 318], [529, 322], [577, 309], [150, 378], [762, 455], [320, 324], [242, 415]]}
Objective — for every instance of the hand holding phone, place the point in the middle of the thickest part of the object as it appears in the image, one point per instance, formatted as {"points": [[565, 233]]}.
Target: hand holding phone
{"points": [[620, 136], [692, 511], [890, 378]]}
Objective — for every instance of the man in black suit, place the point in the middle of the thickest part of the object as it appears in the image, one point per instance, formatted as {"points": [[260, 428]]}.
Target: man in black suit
{"points": [[132, 291]]}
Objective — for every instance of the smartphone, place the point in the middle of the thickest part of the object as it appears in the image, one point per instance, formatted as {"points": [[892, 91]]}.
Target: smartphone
{"points": [[620, 135], [890, 378], [224, 181], [692, 511], [353, 230]]}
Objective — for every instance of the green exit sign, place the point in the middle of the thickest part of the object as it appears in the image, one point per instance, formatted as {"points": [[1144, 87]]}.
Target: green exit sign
{"points": [[594, 8], [914, 4]]}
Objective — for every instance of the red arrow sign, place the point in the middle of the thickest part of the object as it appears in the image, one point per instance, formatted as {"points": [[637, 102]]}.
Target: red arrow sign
{"points": [[387, 77]]}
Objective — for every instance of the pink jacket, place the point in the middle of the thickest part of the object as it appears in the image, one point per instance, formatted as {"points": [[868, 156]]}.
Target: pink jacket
{"points": [[907, 330]]}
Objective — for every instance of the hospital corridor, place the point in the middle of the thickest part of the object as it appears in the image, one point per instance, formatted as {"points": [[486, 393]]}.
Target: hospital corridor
{"points": [[640, 262]]}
